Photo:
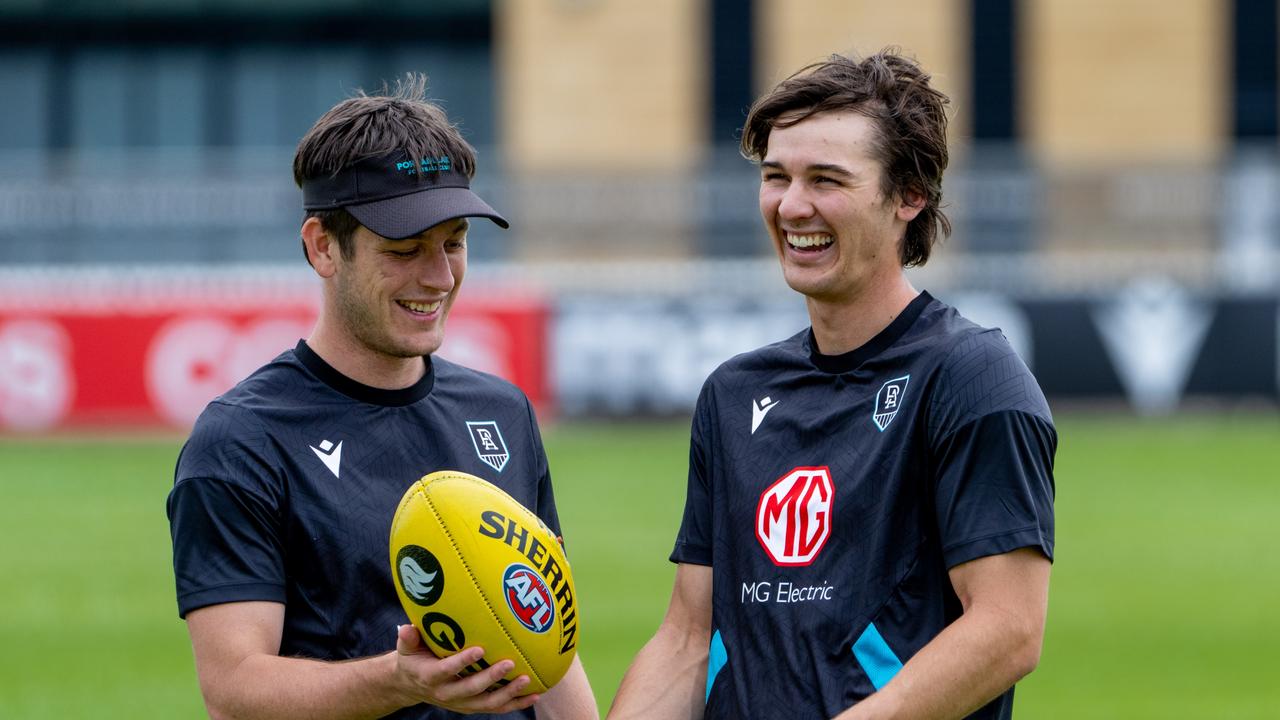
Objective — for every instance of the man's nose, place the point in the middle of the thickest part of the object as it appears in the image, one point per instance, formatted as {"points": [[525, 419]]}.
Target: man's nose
{"points": [[433, 269], [795, 203]]}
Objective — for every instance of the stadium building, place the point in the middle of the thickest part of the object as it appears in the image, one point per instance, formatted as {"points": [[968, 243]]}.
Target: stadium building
{"points": [[1114, 188]]}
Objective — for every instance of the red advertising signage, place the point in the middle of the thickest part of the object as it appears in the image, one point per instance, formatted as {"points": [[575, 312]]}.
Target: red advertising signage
{"points": [[157, 363]]}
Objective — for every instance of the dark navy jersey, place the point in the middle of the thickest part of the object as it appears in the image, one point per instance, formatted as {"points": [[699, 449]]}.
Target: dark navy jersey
{"points": [[831, 494], [286, 489]]}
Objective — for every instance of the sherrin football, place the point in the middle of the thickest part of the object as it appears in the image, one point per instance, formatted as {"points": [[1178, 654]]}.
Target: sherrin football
{"points": [[474, 567]]}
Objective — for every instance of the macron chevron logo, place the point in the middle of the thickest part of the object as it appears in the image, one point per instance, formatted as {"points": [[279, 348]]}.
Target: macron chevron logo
{"points": [[758, 410], [329, 454]]}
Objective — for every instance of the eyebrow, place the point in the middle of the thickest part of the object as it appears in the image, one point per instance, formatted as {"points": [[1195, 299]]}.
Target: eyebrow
{"points": [[816, 167]]}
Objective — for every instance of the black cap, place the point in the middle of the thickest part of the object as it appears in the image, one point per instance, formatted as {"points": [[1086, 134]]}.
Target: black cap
{"points": [[396, 197]]}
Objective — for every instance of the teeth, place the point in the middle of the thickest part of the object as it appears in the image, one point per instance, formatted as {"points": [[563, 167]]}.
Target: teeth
{"points": [[420, 307], [814, 240]]}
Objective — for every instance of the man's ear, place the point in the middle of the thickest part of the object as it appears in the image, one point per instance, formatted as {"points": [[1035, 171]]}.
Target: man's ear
{"points": [[322, 249], [910, 204]]}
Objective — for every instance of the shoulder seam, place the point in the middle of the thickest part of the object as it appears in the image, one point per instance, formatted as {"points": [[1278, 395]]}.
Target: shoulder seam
{"points": [[495, 380], [262, 425], [226, 482], [944, 367], [1015, 411]]}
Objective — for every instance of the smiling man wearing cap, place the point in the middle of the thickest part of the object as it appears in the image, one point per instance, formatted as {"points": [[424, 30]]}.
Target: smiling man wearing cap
{"points": [[284, 493]]}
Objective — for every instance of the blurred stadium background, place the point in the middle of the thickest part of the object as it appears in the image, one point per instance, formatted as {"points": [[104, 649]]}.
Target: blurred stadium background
{"points": [[1116, 195]]}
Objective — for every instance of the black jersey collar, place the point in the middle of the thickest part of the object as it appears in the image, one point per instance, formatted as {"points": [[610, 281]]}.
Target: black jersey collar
{"points": [[846, 362], [358, 390]]}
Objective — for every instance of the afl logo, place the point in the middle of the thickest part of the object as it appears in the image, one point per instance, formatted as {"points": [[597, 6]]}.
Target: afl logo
{"points": [[419, 574], [528, 597], [793, 519]]}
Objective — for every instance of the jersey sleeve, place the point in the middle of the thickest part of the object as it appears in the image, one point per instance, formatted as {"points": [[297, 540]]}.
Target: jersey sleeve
{"points": [[693, 542], [995, 487], [224, 514], [546, 509], [992, 449]]}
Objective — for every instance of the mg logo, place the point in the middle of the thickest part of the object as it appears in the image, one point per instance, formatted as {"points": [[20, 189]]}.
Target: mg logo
{"points": [[793, 520]]}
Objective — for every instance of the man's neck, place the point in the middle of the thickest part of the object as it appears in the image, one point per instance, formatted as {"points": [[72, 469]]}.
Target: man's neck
{"points": [[840, 326], [368, 367]]}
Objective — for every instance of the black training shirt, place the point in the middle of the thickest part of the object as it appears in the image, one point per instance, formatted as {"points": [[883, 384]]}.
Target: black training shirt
{"points": [[832, 494], [286, 489]]}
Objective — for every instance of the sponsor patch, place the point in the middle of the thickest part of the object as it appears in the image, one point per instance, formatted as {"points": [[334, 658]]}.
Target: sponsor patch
{"points": [[793, 519]]}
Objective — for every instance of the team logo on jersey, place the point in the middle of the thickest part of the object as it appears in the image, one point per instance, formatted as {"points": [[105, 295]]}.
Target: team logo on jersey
{"points": [[489, 444], [793, 519], [888, 400], [528, 597]]}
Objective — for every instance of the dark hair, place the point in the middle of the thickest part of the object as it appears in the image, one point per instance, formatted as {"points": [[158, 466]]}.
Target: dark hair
{"points": [[397, 119], [910, 119]]}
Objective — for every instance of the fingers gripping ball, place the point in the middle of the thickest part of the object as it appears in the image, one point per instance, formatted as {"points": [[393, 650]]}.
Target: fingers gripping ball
{"points": [[474, 567]]}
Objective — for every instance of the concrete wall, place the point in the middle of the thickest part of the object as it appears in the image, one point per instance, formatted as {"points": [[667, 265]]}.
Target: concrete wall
{"points": [[792, 34], [1112, 82]]}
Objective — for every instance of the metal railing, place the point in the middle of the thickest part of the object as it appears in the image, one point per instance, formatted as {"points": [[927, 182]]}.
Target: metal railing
{"points": [[1016, 225]]}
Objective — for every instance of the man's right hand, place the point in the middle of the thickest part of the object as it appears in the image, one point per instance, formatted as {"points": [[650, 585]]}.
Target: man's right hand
{"points": [[427, 678], [242, 674]]}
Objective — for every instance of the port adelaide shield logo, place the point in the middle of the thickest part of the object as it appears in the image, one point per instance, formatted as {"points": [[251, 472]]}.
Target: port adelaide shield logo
{"points": [[487, 439], [888, 400]]}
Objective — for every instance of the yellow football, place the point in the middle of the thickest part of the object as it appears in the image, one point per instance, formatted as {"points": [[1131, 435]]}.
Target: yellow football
{"points": [[474, 567]]}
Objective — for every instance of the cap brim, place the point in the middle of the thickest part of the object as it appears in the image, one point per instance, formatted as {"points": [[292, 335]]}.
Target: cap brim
{"points": [[409, 215]]}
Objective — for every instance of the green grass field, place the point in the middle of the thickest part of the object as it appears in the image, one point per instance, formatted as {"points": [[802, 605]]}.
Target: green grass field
{"points": [[1165, 599]]}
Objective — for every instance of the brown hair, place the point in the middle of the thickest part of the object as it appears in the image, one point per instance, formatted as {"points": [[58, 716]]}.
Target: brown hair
{"points": [[909, 115], [397, 119]]}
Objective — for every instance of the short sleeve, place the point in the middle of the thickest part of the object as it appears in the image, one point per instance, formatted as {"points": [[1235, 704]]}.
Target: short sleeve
{"points": [[546, 510], [224, 516], [994, 487], [992, 444], [226, 545], [693, 542]]}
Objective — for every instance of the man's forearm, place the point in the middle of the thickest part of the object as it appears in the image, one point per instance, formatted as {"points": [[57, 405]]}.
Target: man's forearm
{"points": [[972, 661], [570, 699], [667, 679], [270, 687]]}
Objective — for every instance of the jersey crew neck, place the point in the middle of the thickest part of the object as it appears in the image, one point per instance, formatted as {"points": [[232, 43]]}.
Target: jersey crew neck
{"points": [[850, 361], [356, 390]]}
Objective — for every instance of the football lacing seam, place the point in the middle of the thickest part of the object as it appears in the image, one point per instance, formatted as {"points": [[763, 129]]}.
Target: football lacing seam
{"points": [[471, 576]]}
